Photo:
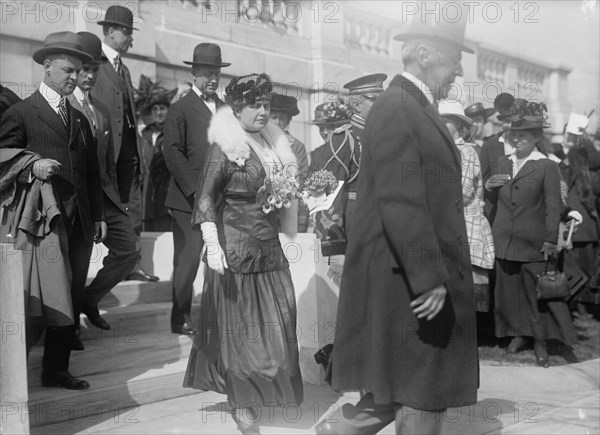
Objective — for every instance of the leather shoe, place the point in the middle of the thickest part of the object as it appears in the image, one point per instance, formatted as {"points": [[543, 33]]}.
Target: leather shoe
{"points": [[543, 361], [325, 428], [141, 275], [95, 318], [64, 379], [185, 329], [77, 343]]}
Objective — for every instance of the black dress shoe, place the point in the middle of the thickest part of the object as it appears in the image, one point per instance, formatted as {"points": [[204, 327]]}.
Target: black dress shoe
{"points": [[543, 361], [325, 428], [141, 275], [94, 317], [185, 329], [64, 379], [77, 343]]}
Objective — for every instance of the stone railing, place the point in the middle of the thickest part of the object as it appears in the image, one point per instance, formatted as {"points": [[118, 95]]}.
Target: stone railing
{"points": [[282, 16], [491, 67], [368, 33]]}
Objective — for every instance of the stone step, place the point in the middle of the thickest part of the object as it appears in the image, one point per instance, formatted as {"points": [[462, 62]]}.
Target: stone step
{"points": [[136, 292], [124, 371]]}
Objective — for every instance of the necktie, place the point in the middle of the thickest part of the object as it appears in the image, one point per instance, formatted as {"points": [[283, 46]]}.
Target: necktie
{"points": [[63, 112], [118, 66], [89, 114]]}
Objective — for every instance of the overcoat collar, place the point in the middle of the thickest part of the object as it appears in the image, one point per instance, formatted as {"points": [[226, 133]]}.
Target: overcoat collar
{"points": [[410, 89]]}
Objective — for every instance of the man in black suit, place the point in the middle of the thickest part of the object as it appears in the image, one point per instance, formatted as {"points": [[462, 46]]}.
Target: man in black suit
{"points": [[46, 124], [114, 89], [7, 99], [121, 239], [185, 145]]}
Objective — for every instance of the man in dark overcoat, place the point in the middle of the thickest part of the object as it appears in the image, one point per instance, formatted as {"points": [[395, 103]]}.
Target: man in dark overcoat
{"points": [[185, 144], [121, 239], [406, 318], [47, 125]]}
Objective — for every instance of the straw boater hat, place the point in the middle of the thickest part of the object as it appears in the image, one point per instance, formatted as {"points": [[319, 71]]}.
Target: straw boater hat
{"points": [[62, 42], [436, 28], [118, 16], [454, 109], [207, 53]]}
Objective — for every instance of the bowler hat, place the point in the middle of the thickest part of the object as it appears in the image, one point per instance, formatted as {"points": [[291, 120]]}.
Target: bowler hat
{"points": [[477, 109], [207, 53], [62, 42], [119, 16], [365, 85], [434, 26], [284, 103], [93, 46]]}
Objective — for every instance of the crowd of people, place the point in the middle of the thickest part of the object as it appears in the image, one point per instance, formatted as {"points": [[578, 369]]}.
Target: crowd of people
{"points": [[434, 223]]}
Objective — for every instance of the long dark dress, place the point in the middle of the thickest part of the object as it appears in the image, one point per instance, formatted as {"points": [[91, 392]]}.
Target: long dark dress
{"points": [[247, 347]]}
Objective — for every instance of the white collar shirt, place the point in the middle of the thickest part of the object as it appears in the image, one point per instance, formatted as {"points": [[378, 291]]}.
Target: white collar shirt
{"points": [[51, 96], [517, 165], [421, 86], [212, 106], [111, 54]]}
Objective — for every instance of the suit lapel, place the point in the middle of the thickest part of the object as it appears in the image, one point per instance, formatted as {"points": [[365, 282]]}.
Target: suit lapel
{"points": [[48, 115], [434, 115], [75, 125], [199, 106]]}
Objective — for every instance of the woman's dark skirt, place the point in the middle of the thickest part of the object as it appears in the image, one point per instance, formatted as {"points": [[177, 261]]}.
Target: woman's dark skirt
{"points": [[518, 312], [247, 346]]}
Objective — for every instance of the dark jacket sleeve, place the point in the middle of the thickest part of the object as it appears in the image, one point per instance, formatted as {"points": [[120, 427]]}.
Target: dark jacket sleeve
{"points": [[210, 187], [13, 135], [552, 201], [94, 183], [593, 155], [175, 151], [400, 190]]}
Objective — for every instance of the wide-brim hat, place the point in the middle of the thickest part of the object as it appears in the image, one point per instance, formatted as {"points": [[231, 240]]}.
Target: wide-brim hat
{"points": [[160, 95], [207, 53], [93, 46], [285, 104], [439, 27], [477, 109], [118, 16], [62, 42], [521, 114], [454, 109]]}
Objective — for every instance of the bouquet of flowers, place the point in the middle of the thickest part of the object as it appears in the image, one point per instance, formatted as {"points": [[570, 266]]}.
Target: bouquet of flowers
{"points": [[320, 189], [278, 191], [321, 181]]}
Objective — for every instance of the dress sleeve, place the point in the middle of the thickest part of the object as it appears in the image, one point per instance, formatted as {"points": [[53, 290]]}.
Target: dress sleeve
{"points": [[210, 188]]}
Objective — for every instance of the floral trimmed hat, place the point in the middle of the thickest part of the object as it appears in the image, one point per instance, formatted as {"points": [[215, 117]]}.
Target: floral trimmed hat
{"points": [[332, 113], [247, 89], [521, 114]]}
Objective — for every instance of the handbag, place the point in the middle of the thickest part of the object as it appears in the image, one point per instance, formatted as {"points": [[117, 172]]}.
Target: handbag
{"points": [[334, 241], [552, 284], [323, 357]]}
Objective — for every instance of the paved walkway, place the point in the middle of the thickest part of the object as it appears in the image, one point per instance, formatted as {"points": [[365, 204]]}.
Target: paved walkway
{"points": [[512, 400]]}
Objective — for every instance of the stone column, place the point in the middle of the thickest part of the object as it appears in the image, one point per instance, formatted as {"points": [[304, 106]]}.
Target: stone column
{"points": [[558, 98], [13, 361]]}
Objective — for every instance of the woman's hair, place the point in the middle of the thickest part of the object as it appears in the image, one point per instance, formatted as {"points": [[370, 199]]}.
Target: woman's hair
{"points": [[247, 89]]}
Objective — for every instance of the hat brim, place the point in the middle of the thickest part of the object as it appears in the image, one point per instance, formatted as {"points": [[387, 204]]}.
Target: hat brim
{"points": [[530, 127], [338, 122], [115, 23], [411, 35], [486, 113], [221, 65], [291, 112], [463, 118], [43, 52]]}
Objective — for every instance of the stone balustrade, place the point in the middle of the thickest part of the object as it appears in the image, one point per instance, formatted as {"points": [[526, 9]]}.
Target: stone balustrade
{"points": [[368, 33]]}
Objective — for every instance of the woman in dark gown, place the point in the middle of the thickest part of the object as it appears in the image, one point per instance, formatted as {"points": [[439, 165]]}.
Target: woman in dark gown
{"points": [[247, 347]]}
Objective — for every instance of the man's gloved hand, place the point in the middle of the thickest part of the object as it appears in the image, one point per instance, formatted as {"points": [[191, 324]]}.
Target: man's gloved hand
{"points": [[43, 169]]}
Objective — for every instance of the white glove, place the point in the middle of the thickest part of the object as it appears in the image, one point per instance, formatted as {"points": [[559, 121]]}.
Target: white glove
{"points": [[576, 216], [215, 256]]}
